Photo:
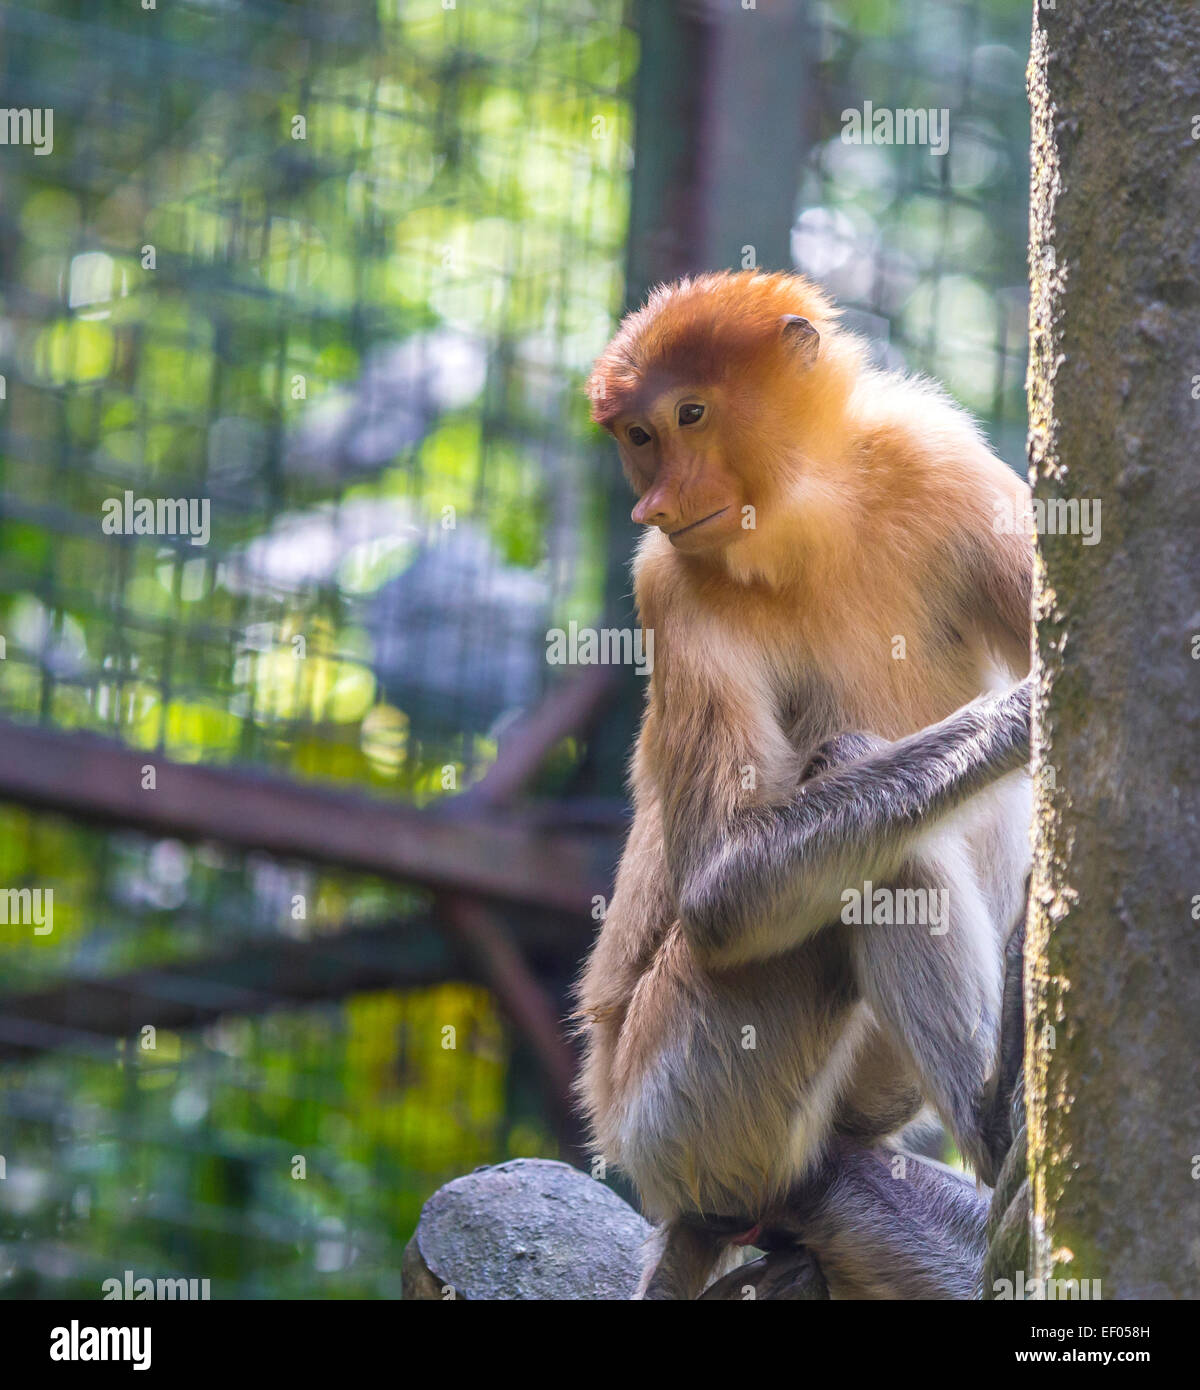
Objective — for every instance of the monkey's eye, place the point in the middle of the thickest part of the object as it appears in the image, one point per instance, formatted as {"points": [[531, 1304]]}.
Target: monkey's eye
{"points": [[690, 414], [638, 436]]}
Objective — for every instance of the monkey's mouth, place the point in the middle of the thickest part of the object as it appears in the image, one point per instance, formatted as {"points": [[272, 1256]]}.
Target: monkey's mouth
{"points": [[704, 520]]}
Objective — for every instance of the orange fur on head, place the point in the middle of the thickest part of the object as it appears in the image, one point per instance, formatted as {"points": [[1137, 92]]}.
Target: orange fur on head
{"points": [[709, 329], [724, 329]]}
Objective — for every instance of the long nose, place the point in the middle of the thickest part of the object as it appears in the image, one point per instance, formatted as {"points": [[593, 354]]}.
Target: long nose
{"points": [[659, 507]]}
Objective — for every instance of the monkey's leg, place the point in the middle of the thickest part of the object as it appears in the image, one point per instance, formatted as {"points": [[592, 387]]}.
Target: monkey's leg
{"points": [[884, 1224], [682, 1262], [936, 987], [936, 984]]}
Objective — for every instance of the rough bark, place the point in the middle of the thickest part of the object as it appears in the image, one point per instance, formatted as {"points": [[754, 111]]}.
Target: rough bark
{"points": [[1113, 955]]}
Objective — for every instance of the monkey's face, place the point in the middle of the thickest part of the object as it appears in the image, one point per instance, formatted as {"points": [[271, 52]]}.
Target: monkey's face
{"points": [[674, 447]]}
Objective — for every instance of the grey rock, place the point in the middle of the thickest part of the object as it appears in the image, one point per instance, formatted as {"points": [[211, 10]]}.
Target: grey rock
{"points": [[527, 1229]]}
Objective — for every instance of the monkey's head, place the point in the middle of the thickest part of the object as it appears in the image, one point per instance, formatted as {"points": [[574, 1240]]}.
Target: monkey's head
{"points": [[712, 391]]}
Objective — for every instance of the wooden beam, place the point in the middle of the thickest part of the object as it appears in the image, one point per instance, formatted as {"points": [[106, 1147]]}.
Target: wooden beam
{"points": [[82, 1015], [569, 709], [254, 979], [497, 955], [101, 782]]}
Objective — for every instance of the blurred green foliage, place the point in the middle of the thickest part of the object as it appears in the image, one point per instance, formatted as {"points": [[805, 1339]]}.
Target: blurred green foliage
{"points": [[261, 225], [927, 251]]}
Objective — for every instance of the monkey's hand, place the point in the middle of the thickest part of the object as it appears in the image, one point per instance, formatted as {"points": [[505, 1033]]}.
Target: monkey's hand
{"points": [[769, 876], [838, 750], [997, 1122], [1020, 701]]}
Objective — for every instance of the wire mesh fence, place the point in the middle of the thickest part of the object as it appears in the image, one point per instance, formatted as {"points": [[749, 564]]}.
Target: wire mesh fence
{"points": [[326, 280], [914, 196], [329, 277]]}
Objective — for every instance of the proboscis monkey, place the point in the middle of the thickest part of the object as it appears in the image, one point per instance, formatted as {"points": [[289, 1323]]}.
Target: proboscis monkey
{"points": [[837, 574]]}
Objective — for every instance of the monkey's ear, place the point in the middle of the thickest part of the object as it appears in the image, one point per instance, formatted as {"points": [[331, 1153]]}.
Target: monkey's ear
{"points": [[800, 335]]}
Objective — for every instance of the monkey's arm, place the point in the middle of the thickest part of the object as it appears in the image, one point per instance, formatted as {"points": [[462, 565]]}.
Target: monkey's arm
{"points": [[773, 874], [640, 913], [995, 570]]}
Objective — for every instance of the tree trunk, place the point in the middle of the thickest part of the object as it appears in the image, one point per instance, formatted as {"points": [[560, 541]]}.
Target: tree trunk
{"points": [[1113, 955]]}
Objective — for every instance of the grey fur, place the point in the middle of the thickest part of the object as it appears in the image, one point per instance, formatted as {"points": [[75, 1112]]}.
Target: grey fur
{"points": [[882, 1224], [866, 809], [857, 821]]}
